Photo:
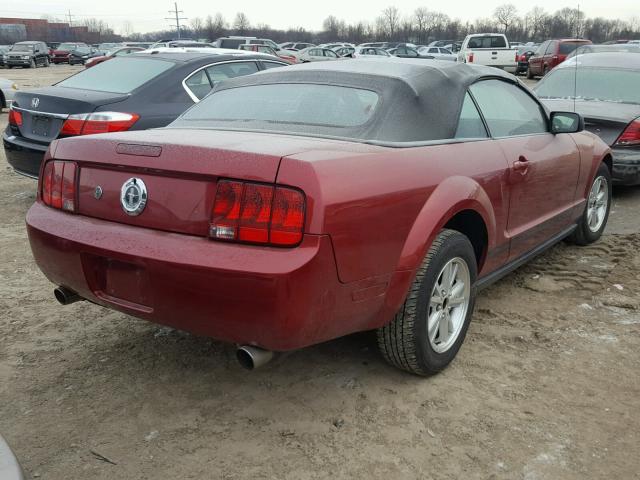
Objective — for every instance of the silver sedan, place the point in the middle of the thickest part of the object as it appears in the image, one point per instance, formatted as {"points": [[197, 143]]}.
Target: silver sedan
{"points": [[7, 91]]}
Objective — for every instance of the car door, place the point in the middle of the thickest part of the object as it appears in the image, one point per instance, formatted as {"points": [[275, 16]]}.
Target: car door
{"points": [[543, 167], [535, 61], [550, 52]]}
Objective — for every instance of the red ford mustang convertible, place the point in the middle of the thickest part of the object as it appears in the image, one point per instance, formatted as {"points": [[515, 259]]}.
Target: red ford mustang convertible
{"points": [[305, 203]]}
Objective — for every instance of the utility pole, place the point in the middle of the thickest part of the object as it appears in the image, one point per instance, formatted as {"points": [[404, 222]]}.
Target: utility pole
{"points": [[70, 17], [177, 18]]}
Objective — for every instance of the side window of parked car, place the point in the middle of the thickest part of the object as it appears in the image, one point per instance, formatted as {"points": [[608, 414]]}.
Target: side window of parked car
{"points": [[330, 53], [470, 124], [542, 48], [217, 73], [551, 48], [269, 65], [199, 84], [508, 110]]}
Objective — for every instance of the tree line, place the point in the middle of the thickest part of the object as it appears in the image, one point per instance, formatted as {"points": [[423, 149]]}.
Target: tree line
{"points": [[421, 26]]}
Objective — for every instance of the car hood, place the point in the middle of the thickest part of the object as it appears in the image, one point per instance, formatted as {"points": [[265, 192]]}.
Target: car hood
{"points": [[61, 51], [606, 119]]}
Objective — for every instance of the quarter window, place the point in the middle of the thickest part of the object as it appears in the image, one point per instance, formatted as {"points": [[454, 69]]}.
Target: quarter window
{"points": [[470, 124], [508, 110], [223, 71], [199, 84]]}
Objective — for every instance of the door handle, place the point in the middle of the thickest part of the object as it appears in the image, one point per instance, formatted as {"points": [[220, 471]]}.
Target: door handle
{"points": [[521, 165]]}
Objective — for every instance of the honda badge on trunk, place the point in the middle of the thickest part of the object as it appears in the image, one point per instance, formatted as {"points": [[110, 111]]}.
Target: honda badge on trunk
{"points": [[133, 196]]}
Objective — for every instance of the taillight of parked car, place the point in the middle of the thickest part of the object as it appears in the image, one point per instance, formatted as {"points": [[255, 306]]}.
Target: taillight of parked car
{"points": [[257, 213], [470, 57], [630, 136], [15, 118], [98, 122], [59, 185]]}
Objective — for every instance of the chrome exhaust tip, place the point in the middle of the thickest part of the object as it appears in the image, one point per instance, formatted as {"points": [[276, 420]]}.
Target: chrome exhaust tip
{"points": [[250, 357], [66, 296]]}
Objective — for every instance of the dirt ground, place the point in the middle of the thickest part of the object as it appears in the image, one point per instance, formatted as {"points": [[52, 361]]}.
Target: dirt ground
{"points": [[546, 385]]}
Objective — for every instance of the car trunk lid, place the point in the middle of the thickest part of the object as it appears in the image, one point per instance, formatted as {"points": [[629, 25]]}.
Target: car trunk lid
{"points": [[605, 119], [180, 169], [44, 110]]}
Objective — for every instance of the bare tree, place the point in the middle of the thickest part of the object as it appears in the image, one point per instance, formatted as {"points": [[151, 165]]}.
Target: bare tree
{"points": [[506, 14], [241, 23], [536, 20], [197, 25], [391, 21]]}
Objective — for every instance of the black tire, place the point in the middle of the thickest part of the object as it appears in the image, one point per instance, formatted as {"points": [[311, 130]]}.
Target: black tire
{"points": [[583, 234], [46, 61], [545, 71], [529, 74], [404, 342], [33, 63]]}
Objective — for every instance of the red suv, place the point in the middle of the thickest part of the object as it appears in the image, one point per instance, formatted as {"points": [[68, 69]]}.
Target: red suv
{"points": [[552, 53]]}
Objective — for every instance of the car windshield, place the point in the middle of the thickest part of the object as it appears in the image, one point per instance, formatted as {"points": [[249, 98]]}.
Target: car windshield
{"points": [[120, 75], [592, 84], [288, 106], [82, 50], [22, 48], [68, 46]]}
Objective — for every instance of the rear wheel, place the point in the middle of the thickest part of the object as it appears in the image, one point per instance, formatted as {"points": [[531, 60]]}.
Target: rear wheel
{"points": [[46, 61], [427, 332], [596, 212], [32, 64], [529, 73]]}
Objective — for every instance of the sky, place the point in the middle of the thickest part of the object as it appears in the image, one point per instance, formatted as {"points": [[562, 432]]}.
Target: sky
{"points": [[149, 15]]}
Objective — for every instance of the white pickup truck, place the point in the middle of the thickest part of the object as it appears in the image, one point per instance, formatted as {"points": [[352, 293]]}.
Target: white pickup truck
{"points": [[490, 49]]}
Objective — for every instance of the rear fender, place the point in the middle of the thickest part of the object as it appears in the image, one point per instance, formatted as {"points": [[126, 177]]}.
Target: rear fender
{"points": [[452, 196]]}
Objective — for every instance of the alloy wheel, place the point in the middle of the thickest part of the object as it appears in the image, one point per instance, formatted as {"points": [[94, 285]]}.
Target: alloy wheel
{"points": [[448, 304]]}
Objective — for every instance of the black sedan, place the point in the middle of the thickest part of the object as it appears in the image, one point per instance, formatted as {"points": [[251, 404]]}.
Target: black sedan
{"points": [[604, 90], [135, 92], [407, 52], [82, 54]]}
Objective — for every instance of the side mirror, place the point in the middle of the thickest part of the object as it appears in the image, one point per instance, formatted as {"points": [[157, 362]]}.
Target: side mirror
{"points": [[566, 122]]}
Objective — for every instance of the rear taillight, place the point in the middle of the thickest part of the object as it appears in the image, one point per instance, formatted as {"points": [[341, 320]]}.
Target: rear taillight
{"points": [[631, 135], [59, 185], [98, 122], [257, 213], [15, 118], [470, 57]]}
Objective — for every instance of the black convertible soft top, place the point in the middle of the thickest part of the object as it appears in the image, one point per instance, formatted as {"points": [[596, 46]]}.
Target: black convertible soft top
{"points": [[420, 99]]}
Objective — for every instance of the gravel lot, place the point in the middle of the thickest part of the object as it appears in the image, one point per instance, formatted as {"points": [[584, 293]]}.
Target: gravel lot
{"points": [[545, 387]]}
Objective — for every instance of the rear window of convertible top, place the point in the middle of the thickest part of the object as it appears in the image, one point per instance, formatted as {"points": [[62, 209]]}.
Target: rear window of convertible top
{"points": [[288, 105], [119, 75]]}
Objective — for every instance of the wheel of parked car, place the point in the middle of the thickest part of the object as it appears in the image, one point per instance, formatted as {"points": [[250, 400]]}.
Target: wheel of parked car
{"points": [[596, 212], [530, 74], [46, 61], [33, 63], [545, 71], [426, 334]]}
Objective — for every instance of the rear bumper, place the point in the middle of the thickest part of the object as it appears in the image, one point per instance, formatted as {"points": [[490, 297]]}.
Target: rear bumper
{"points": [[23, 156], [278, 299], [60, 59], [626, 166]]}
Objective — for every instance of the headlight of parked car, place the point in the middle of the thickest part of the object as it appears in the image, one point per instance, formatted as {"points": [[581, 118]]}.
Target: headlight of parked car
{"points": [[25, 57]]}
